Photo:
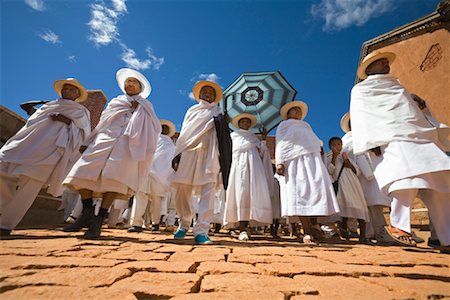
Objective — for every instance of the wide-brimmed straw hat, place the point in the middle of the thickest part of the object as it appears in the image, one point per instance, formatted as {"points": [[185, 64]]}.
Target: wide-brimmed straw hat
{"points": [[344, 122], [373, 56], [58, 85], [171, 126], [284, 110], [125, 73], [239, 117], [199, 85]]}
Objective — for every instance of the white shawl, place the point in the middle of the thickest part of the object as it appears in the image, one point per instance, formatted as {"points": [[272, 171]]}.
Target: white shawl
{"points": [[294, 138], [43, 141], [383, 111], [161, 168], [197, 121]]}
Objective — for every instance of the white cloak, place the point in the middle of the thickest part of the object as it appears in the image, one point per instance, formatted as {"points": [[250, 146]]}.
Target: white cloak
{"points": [[305, 189], [198, 146], [121, 149], [45, 150], [248, 196]]}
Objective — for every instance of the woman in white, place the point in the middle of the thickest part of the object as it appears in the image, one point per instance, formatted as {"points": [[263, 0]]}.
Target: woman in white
{"points": [[350, 194], [119, 151], [307, 187], [248, 194], [158, 181]]}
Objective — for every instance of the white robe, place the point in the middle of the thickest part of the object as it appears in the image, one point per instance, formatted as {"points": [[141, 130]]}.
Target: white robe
{"points": [[366, 163], [198, 145], [45, 150], [159, 178], [306, 188], [350, 195], [121, 149], [248, 196], [384, 114]]}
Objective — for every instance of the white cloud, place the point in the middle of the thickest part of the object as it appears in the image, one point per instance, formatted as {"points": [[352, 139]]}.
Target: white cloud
{"points": [[50, 37], [340, 14], [71, 58], [38, 5], [191, 96], [120, 6], [210, 77], [130, 59], [103, 24]]}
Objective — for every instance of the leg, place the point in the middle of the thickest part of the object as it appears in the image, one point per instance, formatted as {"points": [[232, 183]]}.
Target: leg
{"points": [[138, 209], [362, 230], [15, 210], [155, 211], [95, 228], [438, 207], [183, 205], [401, 209], [205, 210]]}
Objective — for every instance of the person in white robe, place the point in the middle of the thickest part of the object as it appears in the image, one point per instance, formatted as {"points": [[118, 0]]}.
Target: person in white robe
{"points": [[408, 144], [196, 161], [375, 199], [119, 152], [304, 177], [158, 181], [42, 152], [219, 208], [350, 195], [248, 194]]}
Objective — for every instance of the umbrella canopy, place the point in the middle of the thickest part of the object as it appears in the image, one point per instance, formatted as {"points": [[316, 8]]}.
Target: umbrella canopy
{"points": [[261, 94]]}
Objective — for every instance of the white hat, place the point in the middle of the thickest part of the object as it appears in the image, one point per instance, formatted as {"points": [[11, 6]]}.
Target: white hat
{"points": [[171, 126], [236, 119], [125, 73], [373, 56], [284, 110], [344, 122], [199, 85], [58, 85]]}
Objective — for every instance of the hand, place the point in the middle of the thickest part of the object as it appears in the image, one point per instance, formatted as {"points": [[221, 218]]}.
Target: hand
{"points": [[348, 164], [376, 150], [60, 118], [227, 118], [134, 104], [264, 133], [280, 169], [82, 148], [175, 162]]}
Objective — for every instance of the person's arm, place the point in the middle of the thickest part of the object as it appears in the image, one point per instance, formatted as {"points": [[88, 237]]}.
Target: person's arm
{"points": [[175, 162], [60, 118], [134, 104], [347, 163]]}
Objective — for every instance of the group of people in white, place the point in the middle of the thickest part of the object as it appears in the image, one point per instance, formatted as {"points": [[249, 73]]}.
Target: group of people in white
{"points": [[393, 150]]}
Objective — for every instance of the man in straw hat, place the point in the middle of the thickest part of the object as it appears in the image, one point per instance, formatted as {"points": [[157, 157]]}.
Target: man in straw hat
{"points": [[42, 152], [306, 189], [386, 120], [119, 151], [251, 179], [197, 161], [158, 181]]}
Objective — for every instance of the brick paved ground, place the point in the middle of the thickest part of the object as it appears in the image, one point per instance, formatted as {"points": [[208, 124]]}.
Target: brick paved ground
{"points": [[49, 264]]}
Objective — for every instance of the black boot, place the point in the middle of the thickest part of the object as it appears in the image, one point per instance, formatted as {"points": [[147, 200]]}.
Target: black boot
{"points": [[84, 220], [96, 226]]}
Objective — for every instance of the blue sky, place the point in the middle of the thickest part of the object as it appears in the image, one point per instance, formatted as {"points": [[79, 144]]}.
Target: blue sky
{"points": [[314, 43]]}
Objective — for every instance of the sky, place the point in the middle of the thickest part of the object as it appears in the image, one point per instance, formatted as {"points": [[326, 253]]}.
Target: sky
{"points": [[315, 44]]}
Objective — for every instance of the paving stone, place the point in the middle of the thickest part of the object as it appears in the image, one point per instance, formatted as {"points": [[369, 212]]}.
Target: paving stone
{"points": [[189, 256], [211, 250], [174, 248], [92, 277], [236, 282], [253, 259], [64, 292], [211, 267], [160, 266], [131, 254], [232, 296], [149, 284], [60, 262]]}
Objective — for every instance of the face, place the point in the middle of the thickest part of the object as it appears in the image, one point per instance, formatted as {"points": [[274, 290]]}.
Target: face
{"points": [[132, 86], [336, 146], [165, 130], [70, 92], [295, 113], [380, 66], [245, 123], [208, 94]]}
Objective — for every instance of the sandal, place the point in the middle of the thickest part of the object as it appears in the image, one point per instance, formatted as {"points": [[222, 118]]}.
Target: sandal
{"points": [[402, 238], [309, 240]]}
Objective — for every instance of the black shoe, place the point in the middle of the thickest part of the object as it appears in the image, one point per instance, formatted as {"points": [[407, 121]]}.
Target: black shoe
{"points": [[155, 227], [84, 221], [217, 227], [431, 243], [135, 229], [96, 226], [4, 233]]}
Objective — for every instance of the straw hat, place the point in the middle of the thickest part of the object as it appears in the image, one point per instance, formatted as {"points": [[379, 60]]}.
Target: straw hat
{"points": [[125, 73], [171, 126], [58, 84], [373, 56], [236, 119], [199, 85], [284, 110], [344, 122]]}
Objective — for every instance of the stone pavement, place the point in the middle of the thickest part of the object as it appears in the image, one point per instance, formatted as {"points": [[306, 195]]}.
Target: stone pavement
{"points": [[50, 264]]}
